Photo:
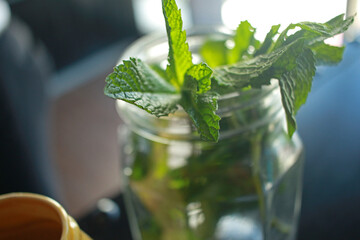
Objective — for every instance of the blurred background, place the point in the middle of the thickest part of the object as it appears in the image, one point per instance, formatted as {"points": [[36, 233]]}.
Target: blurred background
{"points": [[58, 132]]}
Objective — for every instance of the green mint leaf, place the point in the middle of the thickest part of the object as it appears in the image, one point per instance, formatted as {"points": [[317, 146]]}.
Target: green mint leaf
{"points": [[214, 53], [238, 76], [201, 106], [291, 60], [317, 32], [198, 78], [314, 33], [256, 72], [293, 65], [179, 57], [326, 54], [268, 42], [135, 82], [295, 84], [201, 109], [244, 37]]}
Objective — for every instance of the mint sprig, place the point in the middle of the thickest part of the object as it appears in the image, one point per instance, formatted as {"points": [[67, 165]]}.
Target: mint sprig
{"points": [[244, 37], [269, 40], [295, 83], [289, 58], [200, 105], [192, 80], [214, 53], [182, 83], [179, 57], [135, 82]]}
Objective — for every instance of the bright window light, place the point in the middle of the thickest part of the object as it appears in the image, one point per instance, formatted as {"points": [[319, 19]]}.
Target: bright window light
{"points": [[262, 14], [149, 16]]}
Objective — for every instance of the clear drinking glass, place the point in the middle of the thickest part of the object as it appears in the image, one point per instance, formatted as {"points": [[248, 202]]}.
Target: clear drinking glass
{"points": [[177, 187]]}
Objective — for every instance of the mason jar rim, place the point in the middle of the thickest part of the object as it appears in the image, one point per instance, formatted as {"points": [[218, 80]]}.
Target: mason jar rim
{"points": [[160, 37]]}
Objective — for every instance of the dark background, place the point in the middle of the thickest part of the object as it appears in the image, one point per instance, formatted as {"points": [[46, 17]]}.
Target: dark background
{"points": [[45, 37], [42, 41]]}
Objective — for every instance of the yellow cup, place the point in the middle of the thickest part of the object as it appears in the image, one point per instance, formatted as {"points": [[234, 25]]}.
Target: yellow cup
{"points": [[29, 216]]}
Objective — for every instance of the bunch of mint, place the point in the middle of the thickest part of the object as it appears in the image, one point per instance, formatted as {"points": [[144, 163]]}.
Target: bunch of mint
{"points": [[289, 58]]}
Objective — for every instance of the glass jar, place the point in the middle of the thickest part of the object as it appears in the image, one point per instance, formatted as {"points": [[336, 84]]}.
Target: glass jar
{"points": [[177, 187]]}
